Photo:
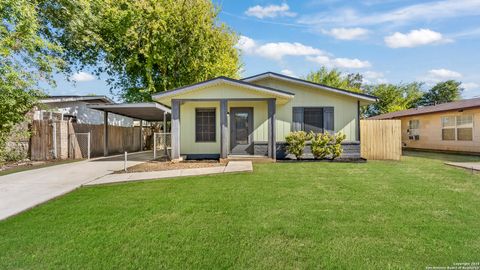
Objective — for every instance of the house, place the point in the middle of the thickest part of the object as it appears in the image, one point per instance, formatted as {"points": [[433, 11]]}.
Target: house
{"points": [[453, 126], [76, 109], [223, 116]]}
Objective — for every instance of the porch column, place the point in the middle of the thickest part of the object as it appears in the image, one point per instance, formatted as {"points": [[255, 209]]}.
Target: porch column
{"points": [[105, 133], [272, 141], [175, 129], [223, 128]]}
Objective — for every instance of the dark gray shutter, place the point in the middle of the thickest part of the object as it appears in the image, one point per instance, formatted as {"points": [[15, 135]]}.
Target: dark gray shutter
{"points": [[328, 119], [297, 120]]}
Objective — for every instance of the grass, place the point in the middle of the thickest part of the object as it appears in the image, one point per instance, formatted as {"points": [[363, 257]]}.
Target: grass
{"points": [[28, 167], [378, 215]]}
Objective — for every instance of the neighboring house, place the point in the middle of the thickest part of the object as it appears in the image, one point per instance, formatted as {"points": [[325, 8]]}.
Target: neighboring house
{"points": [[453, 126], [252, 116], [75, 108]]}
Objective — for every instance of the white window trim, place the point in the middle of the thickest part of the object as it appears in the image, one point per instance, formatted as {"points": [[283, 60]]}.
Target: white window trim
{"points": [[455, 127]]}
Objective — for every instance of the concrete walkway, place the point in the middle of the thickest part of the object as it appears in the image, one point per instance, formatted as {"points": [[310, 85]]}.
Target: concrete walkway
{"points": [[466, 165], [23, 190], [232, 166]]}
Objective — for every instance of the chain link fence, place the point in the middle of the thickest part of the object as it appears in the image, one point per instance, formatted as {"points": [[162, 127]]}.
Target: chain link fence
{"points": [[80, 145], [162, 145]]}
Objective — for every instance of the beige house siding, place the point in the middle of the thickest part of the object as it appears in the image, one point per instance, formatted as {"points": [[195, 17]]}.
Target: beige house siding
{"points": [[430, 132]]}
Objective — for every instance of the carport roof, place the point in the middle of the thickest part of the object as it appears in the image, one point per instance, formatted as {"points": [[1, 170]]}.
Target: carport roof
{"points": [[148, 111]]}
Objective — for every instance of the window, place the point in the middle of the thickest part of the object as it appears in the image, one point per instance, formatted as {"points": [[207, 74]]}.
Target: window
{"points": [[458, 128], [414, 130], [465, 128], [316, 119], [205, 125], [313, 120]]}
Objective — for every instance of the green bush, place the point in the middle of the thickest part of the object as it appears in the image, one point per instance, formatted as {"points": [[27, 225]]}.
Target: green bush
{"points": [[320, 144], [336, 145], [296, 142]]}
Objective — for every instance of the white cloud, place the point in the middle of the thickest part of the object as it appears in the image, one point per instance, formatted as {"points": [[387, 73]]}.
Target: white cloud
{"points": [[288, 73], [418, 12], [246, 44], [373, 77], [470, 86], [277, 50], [443, 74], [347, 33], [325, 60], [82, 77], [414, 38], [270, 11]]}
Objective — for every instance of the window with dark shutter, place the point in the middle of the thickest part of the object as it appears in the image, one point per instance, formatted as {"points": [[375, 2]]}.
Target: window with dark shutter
{"points": [[205, 125], [313, 120], [316, 119]]}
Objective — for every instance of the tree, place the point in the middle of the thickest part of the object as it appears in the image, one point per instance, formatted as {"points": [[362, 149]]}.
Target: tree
{"points": [[144, 46], [442, 92], [393, 97], [335, 78], [25, 59]]}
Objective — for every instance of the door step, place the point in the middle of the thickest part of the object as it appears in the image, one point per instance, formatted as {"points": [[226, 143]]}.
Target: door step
{"points": [[255, 159]]}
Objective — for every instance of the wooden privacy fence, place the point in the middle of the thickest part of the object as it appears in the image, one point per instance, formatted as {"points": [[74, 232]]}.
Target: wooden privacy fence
{"points": [[381, 139], [58, 139]]}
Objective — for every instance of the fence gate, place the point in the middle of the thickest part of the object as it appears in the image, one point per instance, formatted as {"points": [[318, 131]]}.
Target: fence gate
{"points": [[80, 145], [162, 145], [381, 139]]}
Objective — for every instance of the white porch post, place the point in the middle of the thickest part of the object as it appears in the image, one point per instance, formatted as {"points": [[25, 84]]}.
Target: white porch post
{"points": [[175, 122]]}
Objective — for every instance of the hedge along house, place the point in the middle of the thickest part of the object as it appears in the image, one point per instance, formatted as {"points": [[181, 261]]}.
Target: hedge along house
{"points": [[225, 117]]}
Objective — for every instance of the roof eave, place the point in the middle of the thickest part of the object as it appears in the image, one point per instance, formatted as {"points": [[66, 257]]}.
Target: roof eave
{"points": [[278, 93], [261, 76]]}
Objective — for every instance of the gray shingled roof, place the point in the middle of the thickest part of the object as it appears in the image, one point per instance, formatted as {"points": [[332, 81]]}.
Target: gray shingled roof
{"points": [[450, 106]]}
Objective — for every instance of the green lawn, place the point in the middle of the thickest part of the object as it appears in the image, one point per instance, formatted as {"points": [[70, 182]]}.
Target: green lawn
{"points": [[378, 215]]}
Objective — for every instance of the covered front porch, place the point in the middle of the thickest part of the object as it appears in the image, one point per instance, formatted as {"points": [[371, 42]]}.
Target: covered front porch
{"points": [[224, 127]]}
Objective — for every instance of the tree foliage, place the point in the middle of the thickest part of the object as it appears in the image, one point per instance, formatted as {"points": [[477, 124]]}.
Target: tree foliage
{"points": [[393, 97], [335, 78], [144, 46], [442, 92], [26, 59]]}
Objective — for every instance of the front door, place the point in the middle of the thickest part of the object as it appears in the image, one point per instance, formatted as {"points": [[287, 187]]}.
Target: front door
{"points": [[241, 131]]}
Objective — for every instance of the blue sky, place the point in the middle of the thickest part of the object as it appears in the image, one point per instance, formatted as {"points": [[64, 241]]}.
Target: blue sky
{"points": [[386, 41]]}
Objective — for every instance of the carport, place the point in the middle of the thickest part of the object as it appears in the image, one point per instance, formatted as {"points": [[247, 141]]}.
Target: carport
{"points": [[146, 111]]}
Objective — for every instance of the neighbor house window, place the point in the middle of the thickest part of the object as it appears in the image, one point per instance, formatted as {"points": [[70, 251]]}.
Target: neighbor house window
{"points": [[458, 128], [414, 130], [205, 125]]}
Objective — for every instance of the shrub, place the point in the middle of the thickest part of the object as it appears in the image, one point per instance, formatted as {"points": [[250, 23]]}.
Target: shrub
{"points": [[336, 145], [296, 142], [320, 144]]}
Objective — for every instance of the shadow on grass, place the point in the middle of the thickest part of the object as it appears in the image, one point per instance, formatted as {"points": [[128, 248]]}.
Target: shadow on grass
{"points": [[442, 156]]}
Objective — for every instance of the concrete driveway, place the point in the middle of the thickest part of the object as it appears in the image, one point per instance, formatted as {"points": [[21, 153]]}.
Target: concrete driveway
{"points": [[24, 190]]}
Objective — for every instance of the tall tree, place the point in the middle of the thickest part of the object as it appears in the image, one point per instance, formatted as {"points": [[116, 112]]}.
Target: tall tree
{"points": [[335, 78], [393, 97], [26, 59], [145, 46], [442, 92]]}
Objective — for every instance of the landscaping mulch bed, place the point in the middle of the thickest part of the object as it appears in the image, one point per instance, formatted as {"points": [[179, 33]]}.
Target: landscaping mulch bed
{"points": [[162, 165]]}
